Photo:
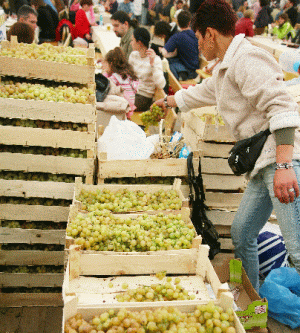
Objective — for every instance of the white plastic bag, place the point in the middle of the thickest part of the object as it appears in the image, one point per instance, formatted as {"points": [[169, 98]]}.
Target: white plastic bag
{"points": [[125, 140]]}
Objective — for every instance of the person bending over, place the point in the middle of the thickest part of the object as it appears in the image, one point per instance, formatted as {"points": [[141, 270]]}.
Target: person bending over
{"points": [[248, 89], [148, 68]]}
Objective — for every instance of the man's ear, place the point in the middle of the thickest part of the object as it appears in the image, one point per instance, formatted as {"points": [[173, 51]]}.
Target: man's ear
{"points": [[210, 33]]}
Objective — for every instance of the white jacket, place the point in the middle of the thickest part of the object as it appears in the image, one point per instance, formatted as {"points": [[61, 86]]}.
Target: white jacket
{"points": [[248, 89]]}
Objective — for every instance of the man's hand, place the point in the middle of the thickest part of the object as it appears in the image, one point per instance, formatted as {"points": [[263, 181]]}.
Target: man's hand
{"points": [[286, 187], [161, 104]]}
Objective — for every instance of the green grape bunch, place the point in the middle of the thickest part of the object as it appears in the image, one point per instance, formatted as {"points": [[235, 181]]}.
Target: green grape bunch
{"points": [[129, 201], [103, 231], [208, 318], [152, 117], [156, 292]]}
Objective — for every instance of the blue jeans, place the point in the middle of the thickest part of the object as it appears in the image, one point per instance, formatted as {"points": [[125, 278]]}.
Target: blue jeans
{"points": [[254, 211], [176, 66]]}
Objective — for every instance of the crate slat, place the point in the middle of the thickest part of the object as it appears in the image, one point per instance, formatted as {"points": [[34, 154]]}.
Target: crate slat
{"points": [[47, 164], [31, 236], [33, 213], [224, 182], [31, 257], [48, 70], [217, 200], [30, 299], [26, 136], [36, 189], [214, 149], [31, 280], [47, 110], [171, 167]]}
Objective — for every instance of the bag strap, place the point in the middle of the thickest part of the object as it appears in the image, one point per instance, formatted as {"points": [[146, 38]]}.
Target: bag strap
{"points": [[192, 179]]}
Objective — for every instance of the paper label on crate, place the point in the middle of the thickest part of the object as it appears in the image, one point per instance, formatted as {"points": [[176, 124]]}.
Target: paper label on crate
{"points": [[235, 268], [256, 315]]}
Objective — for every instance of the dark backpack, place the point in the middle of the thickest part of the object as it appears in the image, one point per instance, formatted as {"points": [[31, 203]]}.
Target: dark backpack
{"points": [[202, 224]]}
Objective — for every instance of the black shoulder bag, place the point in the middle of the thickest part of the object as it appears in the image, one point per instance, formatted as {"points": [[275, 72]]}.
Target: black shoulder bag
{"points": [[244, 154], [202, 224]]}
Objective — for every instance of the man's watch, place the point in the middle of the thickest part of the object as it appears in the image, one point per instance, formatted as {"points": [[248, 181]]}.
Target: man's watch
{"points": [[166, 101]]}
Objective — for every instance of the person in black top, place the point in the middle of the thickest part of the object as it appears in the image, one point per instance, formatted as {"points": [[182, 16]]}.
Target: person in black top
{"points": [[292, 11], [263, 17], [47, 21]]}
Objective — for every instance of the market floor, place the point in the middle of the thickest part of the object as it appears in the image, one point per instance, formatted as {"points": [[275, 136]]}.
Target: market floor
{"points": [[35, 319], [40, 319]]}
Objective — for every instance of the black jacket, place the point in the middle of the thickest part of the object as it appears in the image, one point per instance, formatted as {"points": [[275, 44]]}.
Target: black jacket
{"points": [[47, 23], [263, 18]]}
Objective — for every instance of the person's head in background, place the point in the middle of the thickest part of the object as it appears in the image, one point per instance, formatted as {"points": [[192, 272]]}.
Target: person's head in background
{"points": [[121, 23], [27, 14], [214, 26], [36, 4], [282, 19], [291, 3], [184, 19], [264, 3], [86, 4], [140, 40], [162, 29], [179, 4], [115, 62], [249, 13], [23, 31]]}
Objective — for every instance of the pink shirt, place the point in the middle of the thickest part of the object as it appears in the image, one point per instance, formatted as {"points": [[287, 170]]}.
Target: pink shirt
{"points": [[130, 88]]}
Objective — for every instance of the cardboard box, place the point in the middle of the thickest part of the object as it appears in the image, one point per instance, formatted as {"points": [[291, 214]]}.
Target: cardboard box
{"points": [[254, 310]]}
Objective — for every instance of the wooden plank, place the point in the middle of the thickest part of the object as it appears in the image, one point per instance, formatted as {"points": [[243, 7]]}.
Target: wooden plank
{"points": [[214, 149], [47, 164], [226, 244], [26, 136], [221, 218], [223, 200], [224, 182], [48, 111], [48, 70], [31, 280], [215, 166], [10, 318], [53, 320], [171, 167], [31, 236], [34, 257], [36, 189], [179, 262], [33, 213], [30, 299], [33, 320]]}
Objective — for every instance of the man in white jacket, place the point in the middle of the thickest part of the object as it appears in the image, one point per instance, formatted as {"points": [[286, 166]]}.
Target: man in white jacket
{"points": [[247, 87]]}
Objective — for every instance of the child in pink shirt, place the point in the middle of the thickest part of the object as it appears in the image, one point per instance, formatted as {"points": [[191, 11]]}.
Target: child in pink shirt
{"points": [[118, 70]]}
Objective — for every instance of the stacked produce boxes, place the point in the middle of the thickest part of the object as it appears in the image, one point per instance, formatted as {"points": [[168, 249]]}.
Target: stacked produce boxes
{"points": [[47, 137], [140, 255], [204, 130]]}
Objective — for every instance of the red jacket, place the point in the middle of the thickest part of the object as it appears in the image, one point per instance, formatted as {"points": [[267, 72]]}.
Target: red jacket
{"points": [[244, 26], [82, 24], [62, 23]]}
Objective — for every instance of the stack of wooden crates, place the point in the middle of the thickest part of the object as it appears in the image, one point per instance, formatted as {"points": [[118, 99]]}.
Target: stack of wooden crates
{"points": [[40, 201], [223, 190], [93, 278]]}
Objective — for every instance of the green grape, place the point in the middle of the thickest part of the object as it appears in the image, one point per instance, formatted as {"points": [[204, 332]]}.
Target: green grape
{"points": [[152, 117]]}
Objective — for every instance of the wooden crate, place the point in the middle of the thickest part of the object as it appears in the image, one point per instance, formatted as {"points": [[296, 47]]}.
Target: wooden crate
{"points": [[79, 186], [71, 307], [30, 299], [169, 167], [75, 210], [193, 267], [48, 70]]}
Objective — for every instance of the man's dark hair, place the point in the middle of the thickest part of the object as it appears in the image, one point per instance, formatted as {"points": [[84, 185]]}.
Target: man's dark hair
{"points": [[284, 16], [142, 35], [294, 2], [184, 19], [123, 17], [216, 14], [162, 28], [25, 10]]}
